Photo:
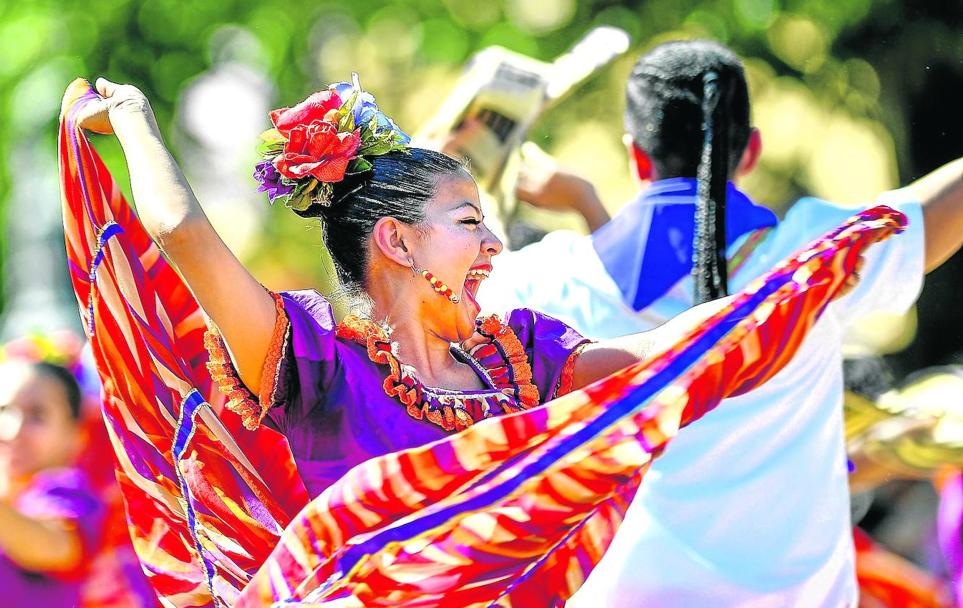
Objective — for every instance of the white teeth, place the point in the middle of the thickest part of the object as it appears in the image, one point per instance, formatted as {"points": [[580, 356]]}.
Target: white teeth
{"points": [[478, 274]]}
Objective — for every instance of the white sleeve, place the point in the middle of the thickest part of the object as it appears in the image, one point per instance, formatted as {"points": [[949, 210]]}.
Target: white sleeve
{"points": [[892, 277]]}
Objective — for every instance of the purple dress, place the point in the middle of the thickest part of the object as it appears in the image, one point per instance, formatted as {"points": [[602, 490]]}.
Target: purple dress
{"points": [[330, 397], [62, 494]]}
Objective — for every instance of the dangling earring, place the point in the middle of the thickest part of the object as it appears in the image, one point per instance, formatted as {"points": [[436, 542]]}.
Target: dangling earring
{"points": [[436, 284]]}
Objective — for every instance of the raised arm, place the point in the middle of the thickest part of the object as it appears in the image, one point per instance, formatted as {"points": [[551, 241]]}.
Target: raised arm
{"points": [[941, 195], [543, 183], [242, 309]]}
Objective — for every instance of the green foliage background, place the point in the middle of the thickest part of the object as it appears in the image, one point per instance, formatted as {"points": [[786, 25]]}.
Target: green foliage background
{"points": [[853, 96]]}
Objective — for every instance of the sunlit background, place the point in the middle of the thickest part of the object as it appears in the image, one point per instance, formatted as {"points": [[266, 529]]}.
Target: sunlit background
{"points": [[853, 97]]}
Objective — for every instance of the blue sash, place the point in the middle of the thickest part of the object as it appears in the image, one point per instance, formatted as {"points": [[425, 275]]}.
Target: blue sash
{"points": [[647, 247]]}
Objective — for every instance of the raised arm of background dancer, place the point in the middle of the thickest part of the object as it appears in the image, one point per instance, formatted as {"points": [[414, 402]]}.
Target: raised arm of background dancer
{"points": [[603, 358], [543, 183], [941, 194], [37, 545], [240, 306]]}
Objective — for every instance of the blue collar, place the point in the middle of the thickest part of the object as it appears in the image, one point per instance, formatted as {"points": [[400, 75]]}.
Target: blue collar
{"points": [[647, 247]]}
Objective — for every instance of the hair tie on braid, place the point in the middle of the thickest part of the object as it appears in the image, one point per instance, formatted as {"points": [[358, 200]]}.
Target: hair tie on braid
{"points": [[709, 270]]}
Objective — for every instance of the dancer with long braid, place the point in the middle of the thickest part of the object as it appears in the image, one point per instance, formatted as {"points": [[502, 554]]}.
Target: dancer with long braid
{"points": [[752, 506]]}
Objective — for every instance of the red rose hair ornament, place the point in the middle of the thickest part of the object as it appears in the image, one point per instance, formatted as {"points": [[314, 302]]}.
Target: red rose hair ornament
{"points": [[314, 144]]}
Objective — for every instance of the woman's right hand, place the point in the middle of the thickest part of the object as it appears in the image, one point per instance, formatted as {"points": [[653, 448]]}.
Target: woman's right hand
{"points": [[117, 102]]}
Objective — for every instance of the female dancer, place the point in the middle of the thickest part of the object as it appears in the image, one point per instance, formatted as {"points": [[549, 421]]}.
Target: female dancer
{"points": [[406, 233]]}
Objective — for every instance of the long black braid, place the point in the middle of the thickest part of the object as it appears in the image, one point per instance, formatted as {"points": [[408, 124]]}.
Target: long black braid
{"points": [[709, 267]]}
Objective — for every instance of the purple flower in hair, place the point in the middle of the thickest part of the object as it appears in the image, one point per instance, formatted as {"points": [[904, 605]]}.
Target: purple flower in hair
{"points": [[269, 180]]}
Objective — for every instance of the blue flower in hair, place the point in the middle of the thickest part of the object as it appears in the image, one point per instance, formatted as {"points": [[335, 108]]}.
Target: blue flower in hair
{"points": [[365, 109]]}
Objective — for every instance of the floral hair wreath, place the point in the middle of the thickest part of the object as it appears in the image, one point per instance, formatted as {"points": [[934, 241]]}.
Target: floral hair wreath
{"points": [[315, 144]]}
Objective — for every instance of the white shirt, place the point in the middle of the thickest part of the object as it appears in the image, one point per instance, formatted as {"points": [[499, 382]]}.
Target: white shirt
{"points": [[748, 506]]}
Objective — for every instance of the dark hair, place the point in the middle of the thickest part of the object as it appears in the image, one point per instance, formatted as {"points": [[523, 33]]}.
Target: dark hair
{"points": [[687, 107], [399, 185], [66, 380]]}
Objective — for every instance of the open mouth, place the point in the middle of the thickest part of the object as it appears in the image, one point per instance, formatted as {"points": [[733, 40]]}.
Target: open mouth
{"points": [[473, 282]]}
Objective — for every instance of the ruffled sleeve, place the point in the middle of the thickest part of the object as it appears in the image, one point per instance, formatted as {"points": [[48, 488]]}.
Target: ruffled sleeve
{"points": [[300, 363], [552, 348]]}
